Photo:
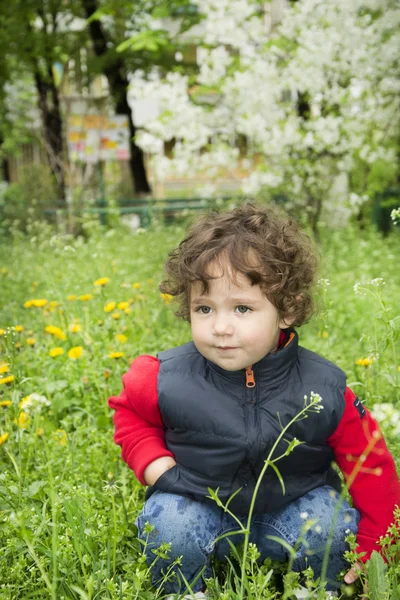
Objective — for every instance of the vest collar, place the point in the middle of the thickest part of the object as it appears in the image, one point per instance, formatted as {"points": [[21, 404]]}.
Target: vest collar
{"points": [[274, 367]]}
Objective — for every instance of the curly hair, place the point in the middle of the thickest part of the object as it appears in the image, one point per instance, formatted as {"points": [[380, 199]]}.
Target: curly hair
{"points": [[259, 242]]}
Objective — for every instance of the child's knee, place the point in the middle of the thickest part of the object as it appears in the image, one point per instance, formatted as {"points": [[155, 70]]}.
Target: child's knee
{"points": [[179, 521]]}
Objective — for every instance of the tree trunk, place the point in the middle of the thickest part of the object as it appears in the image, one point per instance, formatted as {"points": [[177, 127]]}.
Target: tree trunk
{"points": [[115, 71], [49, 106]]}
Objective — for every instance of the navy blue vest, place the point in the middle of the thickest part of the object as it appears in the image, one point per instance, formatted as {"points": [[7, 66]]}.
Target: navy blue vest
{"points": [[221, 431]]}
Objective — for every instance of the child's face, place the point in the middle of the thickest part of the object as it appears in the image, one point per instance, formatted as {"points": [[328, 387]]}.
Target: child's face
{"points": [[234, 325]]}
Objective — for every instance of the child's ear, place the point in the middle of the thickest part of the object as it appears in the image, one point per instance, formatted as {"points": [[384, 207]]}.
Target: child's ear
{"points": [[286, 323]]}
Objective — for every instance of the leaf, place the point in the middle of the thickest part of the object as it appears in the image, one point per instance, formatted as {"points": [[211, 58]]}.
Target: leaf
{"points": [[376, 577], [34, 489]]}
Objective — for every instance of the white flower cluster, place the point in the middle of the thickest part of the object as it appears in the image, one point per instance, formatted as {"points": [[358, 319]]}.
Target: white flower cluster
{"points": [[361, 287], [395, 215], [388, 416], [34, 403]]}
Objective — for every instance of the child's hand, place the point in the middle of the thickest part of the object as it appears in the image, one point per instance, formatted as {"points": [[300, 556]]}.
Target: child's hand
{"points": [[354, 573], [156, 468]]}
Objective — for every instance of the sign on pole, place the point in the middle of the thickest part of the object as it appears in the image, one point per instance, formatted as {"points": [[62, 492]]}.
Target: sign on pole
{"points": [[95, 138]]}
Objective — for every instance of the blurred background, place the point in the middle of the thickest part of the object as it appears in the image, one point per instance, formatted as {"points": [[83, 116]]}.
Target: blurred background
{"points": [[157, 109]]}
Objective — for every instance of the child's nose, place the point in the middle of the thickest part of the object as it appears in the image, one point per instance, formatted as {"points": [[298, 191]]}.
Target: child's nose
{"points": [[222, 325]]}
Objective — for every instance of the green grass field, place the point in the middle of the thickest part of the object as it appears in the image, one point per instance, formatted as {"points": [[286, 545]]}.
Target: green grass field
{"points": [[68, 503]]}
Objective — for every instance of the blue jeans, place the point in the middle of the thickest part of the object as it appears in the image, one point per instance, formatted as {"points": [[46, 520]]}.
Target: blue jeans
{"points": [[192, 528]]}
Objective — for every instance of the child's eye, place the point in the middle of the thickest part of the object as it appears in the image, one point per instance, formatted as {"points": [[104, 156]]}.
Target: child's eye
{"points": [[203, 310], [243, 309]]}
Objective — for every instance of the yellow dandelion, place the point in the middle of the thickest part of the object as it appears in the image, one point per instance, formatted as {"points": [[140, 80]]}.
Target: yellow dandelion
{"points": [[122, 305], [167, 298], [102, 281], [136, 286], [23, 420], [8, 379], [74, 327], [2, 331], [19, 328], [39, 431], [56, 331], [18, 345], [31, 341], [71, 297], [75, 352], [85, 297], [116, 315], [128, 311], [150, 281], [54, 352], [39, 302], [60, 436], [24, 401], [4, 271], [5, 403], [364, 362], [53, 305], [109, 307], [116, 354], [120, 337], [4, 368], [3, 438]]}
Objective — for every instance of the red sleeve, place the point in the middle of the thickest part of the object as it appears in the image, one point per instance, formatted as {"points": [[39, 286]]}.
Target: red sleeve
{"points": [[369, 470], [139, 429]]}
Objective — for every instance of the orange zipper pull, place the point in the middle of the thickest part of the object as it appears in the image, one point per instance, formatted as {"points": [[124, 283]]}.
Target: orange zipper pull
{"points": [[250, 382]]}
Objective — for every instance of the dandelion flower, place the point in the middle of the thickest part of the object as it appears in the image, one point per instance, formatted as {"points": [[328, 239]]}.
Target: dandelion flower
{"points": [[116, 354], [60, 436], [8, 379], [4, 271], [31, 341], [56, 331], [85, 297], [116, 316], [364, 362], [167, 298], [102, 281], [136, 286], [75, 352], [19, 328], [109, 307], [74, 328], [71, 297], [128, 311], [23, 420], [2, 331], [5, 403], [120, 337], [54, 352], [36, 302], [3, 438], [122, 305], [4, 368]]}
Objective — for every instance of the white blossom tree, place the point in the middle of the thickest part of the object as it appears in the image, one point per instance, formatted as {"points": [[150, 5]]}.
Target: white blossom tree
{"points": [[296, 107]]}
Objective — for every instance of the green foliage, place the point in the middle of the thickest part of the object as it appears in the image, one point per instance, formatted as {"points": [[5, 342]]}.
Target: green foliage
{"points": [[67, 502]]}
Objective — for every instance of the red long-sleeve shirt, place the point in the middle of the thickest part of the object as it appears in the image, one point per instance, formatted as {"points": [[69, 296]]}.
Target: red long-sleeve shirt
{"points": [[357, 443]]}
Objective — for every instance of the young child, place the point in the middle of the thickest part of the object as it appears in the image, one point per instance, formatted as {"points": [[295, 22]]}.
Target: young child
{"points": [[206, 414]]}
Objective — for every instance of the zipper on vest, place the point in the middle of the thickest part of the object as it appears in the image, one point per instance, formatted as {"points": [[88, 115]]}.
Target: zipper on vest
{"points": [[250, 381]]}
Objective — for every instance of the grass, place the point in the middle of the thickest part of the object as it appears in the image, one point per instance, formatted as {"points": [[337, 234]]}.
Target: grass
{"points": [[67, 502]]}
